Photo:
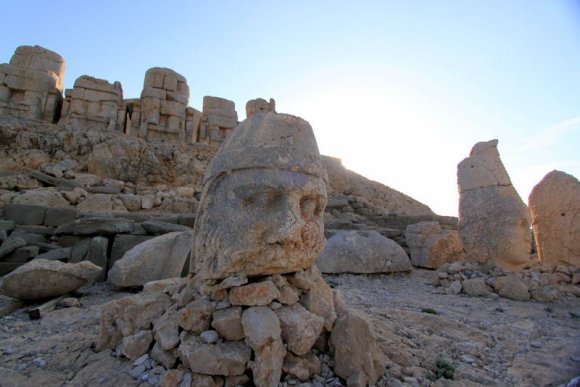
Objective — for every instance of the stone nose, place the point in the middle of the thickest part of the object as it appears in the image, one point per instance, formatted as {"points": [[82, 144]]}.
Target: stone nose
{"points": [[289, 224]]}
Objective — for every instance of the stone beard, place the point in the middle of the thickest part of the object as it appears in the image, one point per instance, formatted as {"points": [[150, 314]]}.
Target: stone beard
{"points": [[259, 221]]}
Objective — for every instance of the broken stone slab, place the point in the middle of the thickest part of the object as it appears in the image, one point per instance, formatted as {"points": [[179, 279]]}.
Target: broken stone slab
{"points": [[430, 246], [156, 227], [30, 238], [123, 243], [228, 323], [362, 252], [41, 278], [50, 180], [22, 254], [261, 326], [56, 255], [7, 225], [356, 353], [300, 328], [512, 287], [97, 254], [157, 258], [11, 244], [25, 214], [55, 216], [225, 359], [255, 294], [96, 226]]}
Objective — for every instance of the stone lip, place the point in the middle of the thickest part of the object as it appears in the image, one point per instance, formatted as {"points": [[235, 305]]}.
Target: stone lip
{"points": [[42, 278]]}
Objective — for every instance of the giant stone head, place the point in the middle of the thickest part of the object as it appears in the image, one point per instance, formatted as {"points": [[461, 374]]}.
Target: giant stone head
{"points": [[262, 202]]}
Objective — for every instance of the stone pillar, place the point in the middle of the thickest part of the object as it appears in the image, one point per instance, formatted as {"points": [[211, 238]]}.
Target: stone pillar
{"points": [[94, 104], [259, 105], [163, 106], [219, 118], [31, 84], [494, 222]]}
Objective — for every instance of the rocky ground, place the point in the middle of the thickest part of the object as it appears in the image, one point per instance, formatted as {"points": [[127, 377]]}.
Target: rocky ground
{"points": [[490, 341]]}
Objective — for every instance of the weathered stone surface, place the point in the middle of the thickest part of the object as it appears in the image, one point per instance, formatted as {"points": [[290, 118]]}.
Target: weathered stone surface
{"points": [[58, 216], [258, 293], [156, 227], [261, 326], [228, 323], [41, 278], [10, 244], [166, 330], [97, 254], [123, 243], [101, 203], [300, 328], [228, 358], [195, 316], [301, 367], [25, 214], [218, 119], [155, 259], [555, 207], [163, 357], [362, 252], [320, 301], [268, 362], [259, 105], [289, 295], [355, 349], [270, 167], [136, 345], [494, 223], [430, 246], [476, 287], [96, 226], [512, 287], [124, 317]]}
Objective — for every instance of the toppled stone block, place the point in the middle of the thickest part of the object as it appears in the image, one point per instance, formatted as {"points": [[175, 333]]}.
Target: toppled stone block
{"points": [[362, 252], [155, 259], [25, 214], [260, 105], [41, 278], [96, 226], [430, 246]]}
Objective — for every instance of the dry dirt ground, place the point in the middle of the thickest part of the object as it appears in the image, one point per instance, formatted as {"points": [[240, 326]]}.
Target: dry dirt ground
{"points": [[490, 341]]}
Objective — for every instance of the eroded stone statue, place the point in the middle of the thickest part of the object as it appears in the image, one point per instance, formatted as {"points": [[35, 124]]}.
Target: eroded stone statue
{"points": [[263, 199]]}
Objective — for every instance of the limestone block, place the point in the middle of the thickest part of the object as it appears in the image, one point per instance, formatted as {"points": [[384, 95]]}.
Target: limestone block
{"points": [[41, 278], [25, 214], [136, 345], [257, 105], [196, 316], [555, 207], [5, 93], [494, 223], [97, 254], [512, 287], [228, 323], [430, 246], [40, 59], [155, 259], [300, 328], [228, 358], [355, 349], [261, 326], [267, 364], [362, 252], [154, 92], [259, 293], [302, 368]]}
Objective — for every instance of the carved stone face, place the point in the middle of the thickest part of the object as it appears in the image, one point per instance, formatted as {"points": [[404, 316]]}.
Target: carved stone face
{"points": [[258, 222]]}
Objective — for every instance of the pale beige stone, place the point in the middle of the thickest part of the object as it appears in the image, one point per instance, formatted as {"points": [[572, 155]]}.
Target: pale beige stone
{"points": [[555, 207], [512, 287], [136, 345], [289, 295], [259, 105], [41, 278], [494, 223], [157, 258], [268, 362], [196, 316], [166, 330], [258, 293], [430, 246], [362, 252], [228, 323], [302, 367], [300, 328], [355, 349], [261, 326], [228, 358], [320, 301]]}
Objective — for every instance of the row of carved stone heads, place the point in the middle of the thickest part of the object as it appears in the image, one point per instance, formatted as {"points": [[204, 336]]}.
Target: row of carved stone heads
{"points": [[31, 86]]}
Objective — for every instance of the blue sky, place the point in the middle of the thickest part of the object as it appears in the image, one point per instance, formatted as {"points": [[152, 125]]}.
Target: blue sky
{"points": [[400, 90]]}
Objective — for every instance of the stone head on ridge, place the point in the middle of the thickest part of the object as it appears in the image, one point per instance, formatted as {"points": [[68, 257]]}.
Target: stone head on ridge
{"points": [[262, 202]]}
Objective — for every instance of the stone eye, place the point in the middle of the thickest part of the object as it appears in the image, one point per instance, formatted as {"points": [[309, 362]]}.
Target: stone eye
{"points": [[308, 206]]}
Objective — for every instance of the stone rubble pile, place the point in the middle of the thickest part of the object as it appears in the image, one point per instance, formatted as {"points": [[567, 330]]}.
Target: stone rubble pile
{"points": [[541, 282], [255, 309], [30, 232]]}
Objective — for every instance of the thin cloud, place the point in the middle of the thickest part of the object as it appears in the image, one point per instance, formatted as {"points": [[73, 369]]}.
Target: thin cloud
{"points": [[548, 136]]}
